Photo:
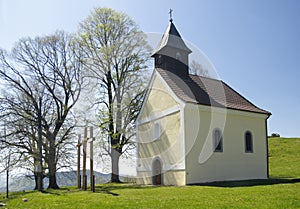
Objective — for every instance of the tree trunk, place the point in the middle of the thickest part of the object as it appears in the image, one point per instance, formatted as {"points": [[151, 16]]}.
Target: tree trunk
{"points": [[36, 180], [52, 165], [115, 156], [52, 181], [52, 176], [39, 165], [114, 136], [35, 173]]}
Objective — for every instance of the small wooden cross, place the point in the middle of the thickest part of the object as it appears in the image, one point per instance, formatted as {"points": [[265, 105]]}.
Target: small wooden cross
{"points": [[170, 13]]}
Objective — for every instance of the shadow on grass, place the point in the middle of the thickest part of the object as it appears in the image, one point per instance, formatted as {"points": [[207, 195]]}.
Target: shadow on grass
{"points": [[57, 192], [247, 183], [109, 188], [14, 195]]}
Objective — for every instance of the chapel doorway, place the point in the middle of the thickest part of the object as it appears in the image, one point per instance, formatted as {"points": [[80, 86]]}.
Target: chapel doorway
{"points": [[157, 172]]}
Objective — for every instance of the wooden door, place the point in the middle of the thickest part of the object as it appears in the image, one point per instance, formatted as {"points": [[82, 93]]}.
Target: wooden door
{"points": [[157, 170]]}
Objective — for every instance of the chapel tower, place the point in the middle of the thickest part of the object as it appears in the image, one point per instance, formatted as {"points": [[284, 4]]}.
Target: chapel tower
{"points": [[172, 54]]}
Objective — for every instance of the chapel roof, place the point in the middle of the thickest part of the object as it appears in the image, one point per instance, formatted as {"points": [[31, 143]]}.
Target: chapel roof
{"points": [[207, 91]]}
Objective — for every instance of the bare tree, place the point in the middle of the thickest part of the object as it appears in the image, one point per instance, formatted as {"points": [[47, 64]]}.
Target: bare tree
{"points": [[20, 103], [115, 53], [197, 68], [45, 84]]}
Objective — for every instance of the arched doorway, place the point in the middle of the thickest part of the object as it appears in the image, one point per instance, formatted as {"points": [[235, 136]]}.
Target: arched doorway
{"points": [[157, 172]]}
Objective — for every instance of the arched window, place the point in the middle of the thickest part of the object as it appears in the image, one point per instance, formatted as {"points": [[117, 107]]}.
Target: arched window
{"points": [[157, 130], [248, 142], [217, 140]]}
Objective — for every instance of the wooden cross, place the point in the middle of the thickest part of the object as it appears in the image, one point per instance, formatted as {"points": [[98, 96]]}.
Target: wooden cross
{"points": [[170, 13]]}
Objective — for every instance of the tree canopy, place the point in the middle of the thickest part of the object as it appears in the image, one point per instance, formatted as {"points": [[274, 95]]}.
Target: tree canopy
{"points": [[115, 53]]}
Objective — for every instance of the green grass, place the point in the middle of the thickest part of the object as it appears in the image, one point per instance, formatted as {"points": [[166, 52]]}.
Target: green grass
{"points": [[281, 192], [131, 196], [284, 157]]}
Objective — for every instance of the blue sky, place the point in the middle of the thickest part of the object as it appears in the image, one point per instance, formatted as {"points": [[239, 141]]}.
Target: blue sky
{"points": [[254, 44]]}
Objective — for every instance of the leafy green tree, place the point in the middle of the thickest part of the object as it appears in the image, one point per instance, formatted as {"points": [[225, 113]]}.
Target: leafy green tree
{"points": [[115, 53]]}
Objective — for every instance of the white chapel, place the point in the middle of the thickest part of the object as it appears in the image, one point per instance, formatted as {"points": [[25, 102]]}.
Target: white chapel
{"points": [[193, 129]]}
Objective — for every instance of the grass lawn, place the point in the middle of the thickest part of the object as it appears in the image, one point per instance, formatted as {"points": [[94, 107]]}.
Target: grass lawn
{"points": [[282, 192], [284, 157]]}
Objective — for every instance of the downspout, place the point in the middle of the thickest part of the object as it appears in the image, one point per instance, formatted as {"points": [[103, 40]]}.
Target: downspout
{"points": [[267, 146]]}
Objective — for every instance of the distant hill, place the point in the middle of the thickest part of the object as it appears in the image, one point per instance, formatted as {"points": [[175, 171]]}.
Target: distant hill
{"points": [[68, 178]]}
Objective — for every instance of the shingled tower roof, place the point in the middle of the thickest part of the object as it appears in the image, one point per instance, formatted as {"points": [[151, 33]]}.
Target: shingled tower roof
{"points": [[171, 38]]}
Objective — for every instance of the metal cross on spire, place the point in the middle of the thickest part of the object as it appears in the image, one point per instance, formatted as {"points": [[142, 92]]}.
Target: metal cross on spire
{"points": [[170, 13]]}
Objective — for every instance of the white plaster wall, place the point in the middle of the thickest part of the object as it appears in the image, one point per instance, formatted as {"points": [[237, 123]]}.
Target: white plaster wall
{"points": [[169, 148], [170, 177], [204, 165], [174, 177], [158, 100]]}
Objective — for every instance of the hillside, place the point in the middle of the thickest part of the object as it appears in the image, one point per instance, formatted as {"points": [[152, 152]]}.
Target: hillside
{"points": [[283, 191], [284, 157]]}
